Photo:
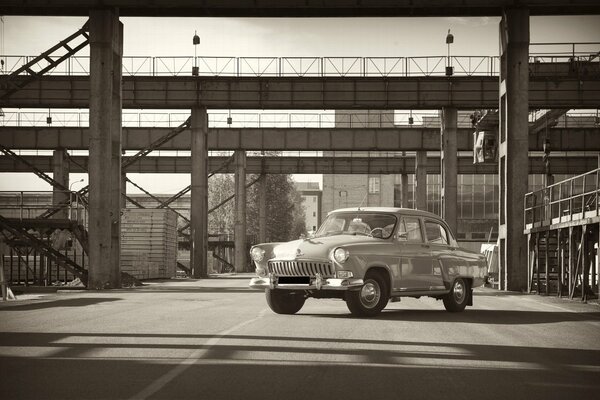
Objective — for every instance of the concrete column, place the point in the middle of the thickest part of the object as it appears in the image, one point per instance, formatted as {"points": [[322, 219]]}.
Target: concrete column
{"points": [[404, 189], [199, 199], [262, 209], [123, 189], [60, 168], [421, 180], [514, 145], [103, 273], [117, 200], [240, 211], [449, 167]]}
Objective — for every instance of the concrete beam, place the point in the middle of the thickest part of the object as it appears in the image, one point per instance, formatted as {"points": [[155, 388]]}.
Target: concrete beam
{"points": [[298, 8], [421, 170], [199, 195], [262, 209], [103, 272], [359, 93], [515, 101], [291, 139], [60, 173], [240, 211], [117, 200], [449, 167], [314, 165]]}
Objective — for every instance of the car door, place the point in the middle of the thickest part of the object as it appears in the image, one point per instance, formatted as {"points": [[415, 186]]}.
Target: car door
{"points": [[442, 253], [414, 266]]}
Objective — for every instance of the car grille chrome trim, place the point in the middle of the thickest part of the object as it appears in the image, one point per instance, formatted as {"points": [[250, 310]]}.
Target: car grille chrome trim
{"points": [[301, 268]]}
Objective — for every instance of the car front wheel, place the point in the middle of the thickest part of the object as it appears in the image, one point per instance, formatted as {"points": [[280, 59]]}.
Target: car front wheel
{"points": [[284, 302], [370, 299], [457, 299]]}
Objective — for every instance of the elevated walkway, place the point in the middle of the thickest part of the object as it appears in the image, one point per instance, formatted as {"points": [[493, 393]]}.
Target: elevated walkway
{"points": [[562, 224]]}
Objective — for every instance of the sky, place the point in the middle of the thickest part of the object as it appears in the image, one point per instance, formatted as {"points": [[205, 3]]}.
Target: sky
{"points": [[282, 37]]}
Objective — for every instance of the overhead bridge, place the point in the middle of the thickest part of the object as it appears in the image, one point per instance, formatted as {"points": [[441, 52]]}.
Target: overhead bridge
{"points": [[383, 93], [300, 139], [307, 165]]}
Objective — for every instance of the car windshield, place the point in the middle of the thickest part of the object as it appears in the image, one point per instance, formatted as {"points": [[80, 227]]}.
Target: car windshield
{"points": [[358, 223]]}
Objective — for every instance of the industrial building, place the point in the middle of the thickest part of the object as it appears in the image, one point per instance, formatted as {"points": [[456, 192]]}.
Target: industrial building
{"points": [[505, 148]]}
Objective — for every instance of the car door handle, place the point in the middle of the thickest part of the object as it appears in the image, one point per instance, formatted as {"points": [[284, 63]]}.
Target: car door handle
{"points": [[425, 246]]}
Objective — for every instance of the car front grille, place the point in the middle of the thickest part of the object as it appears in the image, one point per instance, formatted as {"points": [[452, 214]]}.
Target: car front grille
{"points": [[301, 268]]}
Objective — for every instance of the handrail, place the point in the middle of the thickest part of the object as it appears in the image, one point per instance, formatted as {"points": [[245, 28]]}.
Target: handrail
{"points": [[301, 66], [14, 204], [302, 119], [570, 200]]}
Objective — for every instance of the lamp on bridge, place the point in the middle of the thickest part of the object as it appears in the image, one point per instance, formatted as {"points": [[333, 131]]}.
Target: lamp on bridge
{"points": [[449, 41], [196, 42]]}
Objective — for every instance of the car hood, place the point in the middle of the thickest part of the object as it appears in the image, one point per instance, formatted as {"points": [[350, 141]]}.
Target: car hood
{"points": [[317, 248]]}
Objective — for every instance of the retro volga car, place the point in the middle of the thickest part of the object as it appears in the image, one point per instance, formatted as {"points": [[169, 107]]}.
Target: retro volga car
{"points": [[369, 256]]}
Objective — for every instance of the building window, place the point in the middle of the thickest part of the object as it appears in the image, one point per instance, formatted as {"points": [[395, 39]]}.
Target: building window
{"points": [[314, 213], [374, 185]]}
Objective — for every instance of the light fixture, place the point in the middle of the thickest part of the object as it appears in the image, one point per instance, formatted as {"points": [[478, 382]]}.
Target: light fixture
{"points": [[49, 118], [449, 41], [196, 42]]}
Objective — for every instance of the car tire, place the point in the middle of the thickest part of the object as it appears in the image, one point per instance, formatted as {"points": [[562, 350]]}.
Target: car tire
{"points": [[371, 298], [458, 298], [284, 302]]}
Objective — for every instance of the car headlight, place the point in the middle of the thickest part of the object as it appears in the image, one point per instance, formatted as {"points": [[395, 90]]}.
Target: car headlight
{"points": [[257, 254], [341, 255]]}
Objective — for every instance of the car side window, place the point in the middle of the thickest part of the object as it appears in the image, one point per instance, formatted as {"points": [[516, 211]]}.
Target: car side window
{"points": [[436, 233], [410, 230]]}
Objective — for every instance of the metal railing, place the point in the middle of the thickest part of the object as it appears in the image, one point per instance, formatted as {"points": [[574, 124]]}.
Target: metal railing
{"points": [[239, 119], [566, 201], [276, 66], [31, 204]]}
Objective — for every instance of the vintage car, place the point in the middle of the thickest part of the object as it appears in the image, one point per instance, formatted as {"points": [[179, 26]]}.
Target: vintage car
{"points": [[367, 257]]}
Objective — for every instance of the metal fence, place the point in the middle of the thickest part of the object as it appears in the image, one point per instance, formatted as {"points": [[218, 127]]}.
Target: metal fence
{"points": [[566, 201]]}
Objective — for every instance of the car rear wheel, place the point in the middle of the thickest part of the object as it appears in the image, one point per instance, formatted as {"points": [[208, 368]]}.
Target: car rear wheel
{"points": [[370, 299], [457, 299], [283, 301]]}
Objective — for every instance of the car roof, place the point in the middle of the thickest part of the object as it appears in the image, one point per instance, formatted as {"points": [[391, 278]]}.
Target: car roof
{"points": [[392, 210]]}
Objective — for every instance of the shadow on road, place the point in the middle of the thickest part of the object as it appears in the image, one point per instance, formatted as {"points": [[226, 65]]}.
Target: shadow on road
{"points": [[40, 305], [326, 368], [491, 317]]}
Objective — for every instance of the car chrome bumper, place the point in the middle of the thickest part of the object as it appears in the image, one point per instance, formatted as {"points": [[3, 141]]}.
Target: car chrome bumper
{"points": [[318, 283]]}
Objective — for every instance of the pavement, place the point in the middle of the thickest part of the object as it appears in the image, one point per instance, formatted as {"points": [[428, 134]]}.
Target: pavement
{"points": [[217, 339]]}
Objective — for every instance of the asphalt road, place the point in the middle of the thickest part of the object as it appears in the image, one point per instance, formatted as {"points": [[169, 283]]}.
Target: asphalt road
{"points": [[215, 339]]}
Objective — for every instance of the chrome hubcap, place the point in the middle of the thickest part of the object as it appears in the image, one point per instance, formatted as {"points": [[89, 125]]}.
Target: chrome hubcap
{"points": [[370, 294], [459, 292]]}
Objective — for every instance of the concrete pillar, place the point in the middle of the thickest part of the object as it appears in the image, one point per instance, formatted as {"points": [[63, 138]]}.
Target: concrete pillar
{"points": [[404, 189], [514, 145], [117, 200], [123, 189], [262, 209], [199, 199], [60, 168], [103, 272], [240, 211], [421, 180], [449, 167]]}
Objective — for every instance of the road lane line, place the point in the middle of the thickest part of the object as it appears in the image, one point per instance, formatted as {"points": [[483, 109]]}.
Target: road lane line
{"points": [[191, 360]]}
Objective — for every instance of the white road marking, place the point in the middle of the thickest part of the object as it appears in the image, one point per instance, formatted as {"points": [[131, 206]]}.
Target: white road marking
{"points": [[191, 360]]}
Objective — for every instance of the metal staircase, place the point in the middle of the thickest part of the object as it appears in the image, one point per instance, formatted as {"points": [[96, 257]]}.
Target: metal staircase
{"points": [[45, 62], [36, 251]]}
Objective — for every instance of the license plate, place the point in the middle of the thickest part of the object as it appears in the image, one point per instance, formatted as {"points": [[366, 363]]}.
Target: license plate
{"points": [[296, 280]]}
